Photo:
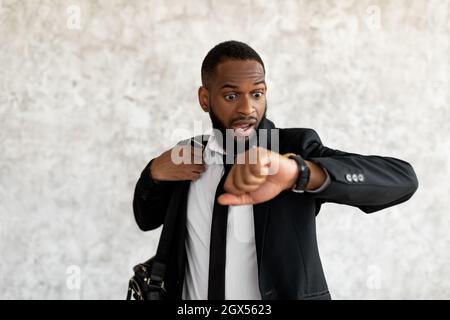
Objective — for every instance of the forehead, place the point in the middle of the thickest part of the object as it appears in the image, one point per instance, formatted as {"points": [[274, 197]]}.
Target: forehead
{"points": [[238, 71]]}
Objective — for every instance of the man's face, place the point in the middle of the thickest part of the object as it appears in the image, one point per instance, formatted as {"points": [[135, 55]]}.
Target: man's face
{"points": [[236, 97]]}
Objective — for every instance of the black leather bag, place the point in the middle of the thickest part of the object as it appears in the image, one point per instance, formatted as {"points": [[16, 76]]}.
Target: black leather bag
{"points": [[147, 283], [145, 286]]}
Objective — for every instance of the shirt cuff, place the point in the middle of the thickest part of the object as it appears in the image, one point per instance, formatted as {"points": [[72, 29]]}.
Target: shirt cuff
{"points": [[324, 185]]}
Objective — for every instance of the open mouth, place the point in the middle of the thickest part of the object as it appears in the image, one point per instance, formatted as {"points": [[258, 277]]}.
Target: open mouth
{"points": [[243, 129]]}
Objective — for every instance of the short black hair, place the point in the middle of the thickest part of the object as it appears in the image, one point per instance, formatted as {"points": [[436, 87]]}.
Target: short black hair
{"points": [[224, 51]]}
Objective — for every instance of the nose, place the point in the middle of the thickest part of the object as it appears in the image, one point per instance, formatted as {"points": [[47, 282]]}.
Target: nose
{"points": [[245, 107]]}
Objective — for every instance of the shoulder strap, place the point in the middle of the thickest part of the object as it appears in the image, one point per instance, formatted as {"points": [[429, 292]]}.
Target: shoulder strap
{"points": [[160, 260]]}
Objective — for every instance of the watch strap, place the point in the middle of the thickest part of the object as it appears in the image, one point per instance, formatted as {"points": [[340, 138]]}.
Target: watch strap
{"points": [[303, 172]]}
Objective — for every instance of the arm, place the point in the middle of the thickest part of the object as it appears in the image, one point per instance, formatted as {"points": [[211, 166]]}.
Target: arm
{"points": [[370, 183], [156, 184], [151, 199], [319, 178]]}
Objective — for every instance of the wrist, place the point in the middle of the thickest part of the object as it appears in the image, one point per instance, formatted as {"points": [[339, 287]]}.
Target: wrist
{"points": [[302, 175], [317, 177], [152, 172], [292, 170]]}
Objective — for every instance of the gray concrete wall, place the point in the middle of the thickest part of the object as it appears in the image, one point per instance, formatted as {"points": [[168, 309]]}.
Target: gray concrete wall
{"points": [[91, 90]]}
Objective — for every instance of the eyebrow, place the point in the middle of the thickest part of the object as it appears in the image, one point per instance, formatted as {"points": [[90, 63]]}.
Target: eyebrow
{"points": [[228, 85]]}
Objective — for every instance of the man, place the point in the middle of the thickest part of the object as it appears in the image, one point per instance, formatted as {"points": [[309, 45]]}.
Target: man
{"points": [[247, 230]]}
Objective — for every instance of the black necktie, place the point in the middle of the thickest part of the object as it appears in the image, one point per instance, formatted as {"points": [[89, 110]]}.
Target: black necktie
{"points": [[217, 250]]}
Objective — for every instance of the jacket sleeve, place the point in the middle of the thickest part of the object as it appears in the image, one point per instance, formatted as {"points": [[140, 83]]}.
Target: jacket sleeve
{"points": [[151, 200], [368, 182]]}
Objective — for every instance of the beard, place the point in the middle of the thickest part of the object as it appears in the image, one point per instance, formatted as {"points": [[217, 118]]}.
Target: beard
{"points": [[218, 125]]}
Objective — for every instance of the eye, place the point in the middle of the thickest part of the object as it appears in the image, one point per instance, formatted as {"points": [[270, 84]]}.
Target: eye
{"points": [[231, 96], [258, 94]]}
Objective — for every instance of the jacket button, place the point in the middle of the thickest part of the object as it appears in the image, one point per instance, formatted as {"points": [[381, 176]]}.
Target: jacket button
{"points": [[360, 177], [348, 176], [355, 177]]}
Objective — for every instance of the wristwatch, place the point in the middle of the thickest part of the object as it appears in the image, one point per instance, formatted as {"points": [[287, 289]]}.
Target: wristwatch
{"points": [[303, 172]]}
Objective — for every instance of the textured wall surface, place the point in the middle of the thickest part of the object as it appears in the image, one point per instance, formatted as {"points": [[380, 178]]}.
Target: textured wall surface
{"points": [[91, 90]]}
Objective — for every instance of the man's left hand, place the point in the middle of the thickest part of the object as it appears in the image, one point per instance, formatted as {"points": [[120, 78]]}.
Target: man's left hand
{"points": [[259, 180]]}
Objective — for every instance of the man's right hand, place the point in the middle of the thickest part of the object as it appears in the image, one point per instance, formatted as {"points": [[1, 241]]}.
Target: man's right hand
{"points": [[164, 169]]}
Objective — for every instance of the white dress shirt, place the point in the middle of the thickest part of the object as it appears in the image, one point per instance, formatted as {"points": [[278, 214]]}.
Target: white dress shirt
{"points": [[241, 269]]}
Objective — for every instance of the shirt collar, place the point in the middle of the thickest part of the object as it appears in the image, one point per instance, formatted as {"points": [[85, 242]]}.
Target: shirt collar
{"points": [[213, 144]]}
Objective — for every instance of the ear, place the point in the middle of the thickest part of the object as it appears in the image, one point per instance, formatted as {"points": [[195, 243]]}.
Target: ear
{"points": [[203, 98]]}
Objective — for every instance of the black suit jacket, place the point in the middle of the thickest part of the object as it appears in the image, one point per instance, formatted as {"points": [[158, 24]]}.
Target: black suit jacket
{"points": [[289, 265]]}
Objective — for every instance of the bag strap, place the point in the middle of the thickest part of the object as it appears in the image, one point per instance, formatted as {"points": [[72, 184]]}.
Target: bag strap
{"points": [[159, 263]]}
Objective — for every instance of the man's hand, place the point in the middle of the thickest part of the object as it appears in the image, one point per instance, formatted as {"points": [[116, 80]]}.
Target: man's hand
{"points": [[264, 177], [259, 180], [166, 167]]}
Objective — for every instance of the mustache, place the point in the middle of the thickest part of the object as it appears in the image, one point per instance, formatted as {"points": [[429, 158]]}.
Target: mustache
{"points": [[218, 124], [245, 119]]}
